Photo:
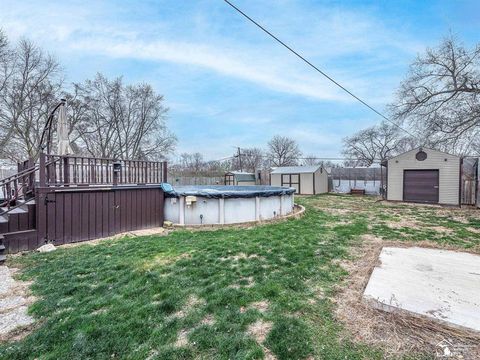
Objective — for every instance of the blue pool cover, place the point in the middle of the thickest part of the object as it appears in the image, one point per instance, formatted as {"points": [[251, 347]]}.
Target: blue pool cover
{"points": [[220, 191]]}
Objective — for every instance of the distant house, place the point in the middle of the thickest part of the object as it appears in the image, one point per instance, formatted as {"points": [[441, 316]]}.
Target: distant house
{"points": [[307, 180], [426, 176], [239, 178]]}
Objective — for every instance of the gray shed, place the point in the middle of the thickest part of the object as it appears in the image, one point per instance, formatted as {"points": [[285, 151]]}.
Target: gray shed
{"points": [[425, 176], [239, 178], [307, 180]]}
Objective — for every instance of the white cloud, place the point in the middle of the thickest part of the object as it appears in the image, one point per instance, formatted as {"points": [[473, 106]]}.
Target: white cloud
{"points": [[236, 64], [324, 34]]}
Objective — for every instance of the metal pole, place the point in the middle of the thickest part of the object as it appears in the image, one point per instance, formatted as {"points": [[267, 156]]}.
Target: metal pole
{"points": [[47, 130], [240, 158]]}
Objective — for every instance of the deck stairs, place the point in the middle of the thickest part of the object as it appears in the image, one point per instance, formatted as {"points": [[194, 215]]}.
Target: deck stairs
{"points": [[17, 205], [14, 221]]}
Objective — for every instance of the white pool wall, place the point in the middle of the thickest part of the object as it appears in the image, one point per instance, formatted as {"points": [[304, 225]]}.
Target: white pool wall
{"points": [[227, 211]]}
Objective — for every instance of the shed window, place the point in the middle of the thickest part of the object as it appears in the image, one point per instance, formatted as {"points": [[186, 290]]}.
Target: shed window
{"points": [[421, 156]]}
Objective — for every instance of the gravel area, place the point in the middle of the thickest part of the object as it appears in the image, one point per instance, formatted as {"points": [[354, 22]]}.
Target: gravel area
{"points": [[14, 302]]}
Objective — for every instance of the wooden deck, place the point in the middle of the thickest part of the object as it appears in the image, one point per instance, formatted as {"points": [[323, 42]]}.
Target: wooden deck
{"points": [[65, 199]]}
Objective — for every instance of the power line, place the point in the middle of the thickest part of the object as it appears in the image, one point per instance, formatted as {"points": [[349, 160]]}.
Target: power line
{"points": [[296, 158], [316, 68]]}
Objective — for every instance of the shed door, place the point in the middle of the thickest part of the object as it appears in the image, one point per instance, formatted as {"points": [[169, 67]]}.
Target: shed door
{"points": [[291, 180], [229, 179], [420, 186]]}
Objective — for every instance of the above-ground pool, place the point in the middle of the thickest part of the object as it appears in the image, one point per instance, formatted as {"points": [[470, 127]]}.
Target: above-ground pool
{"points": [[214, 204]]}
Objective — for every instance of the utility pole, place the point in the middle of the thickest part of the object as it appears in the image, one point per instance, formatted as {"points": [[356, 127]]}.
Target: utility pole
{"points": [[239, 158]]}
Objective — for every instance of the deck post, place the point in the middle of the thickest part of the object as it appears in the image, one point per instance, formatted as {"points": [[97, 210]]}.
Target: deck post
{"points": [[31, 177], [41, 171], [66, 171], [164, 175], [115, 177]]}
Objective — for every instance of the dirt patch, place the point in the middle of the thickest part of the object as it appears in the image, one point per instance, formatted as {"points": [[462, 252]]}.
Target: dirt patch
{"points": [[164, 260], [244, 282], [158, 231], [441, 229], [259, 331], [404, 223], [241, 256], [473, 230], [317, 291], [182, 338], [338, 223], [208, 320], [261, 306], [15, 322], [192, 302], [397, 333], [336, 211], [462, 215]]}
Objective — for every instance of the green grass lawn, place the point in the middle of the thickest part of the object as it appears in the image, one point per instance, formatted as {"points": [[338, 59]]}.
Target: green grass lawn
{"points": [[225, 294]]}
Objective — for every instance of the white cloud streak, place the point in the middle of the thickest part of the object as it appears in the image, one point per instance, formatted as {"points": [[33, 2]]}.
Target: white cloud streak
{"points": [[326, 40]]}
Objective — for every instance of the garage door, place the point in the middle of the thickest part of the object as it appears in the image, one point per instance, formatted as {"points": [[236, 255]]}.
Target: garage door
{"points": [[420, 186]]}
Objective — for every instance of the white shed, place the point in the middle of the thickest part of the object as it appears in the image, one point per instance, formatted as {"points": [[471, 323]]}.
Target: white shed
{"points": [[307, 180], [239, 178], [424, 175]]}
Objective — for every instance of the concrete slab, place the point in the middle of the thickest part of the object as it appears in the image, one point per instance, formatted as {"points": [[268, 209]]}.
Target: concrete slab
{"points": [[440, 284]]}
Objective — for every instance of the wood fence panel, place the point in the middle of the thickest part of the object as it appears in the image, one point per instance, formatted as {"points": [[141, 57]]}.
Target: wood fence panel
{"points": [[84, 214]]}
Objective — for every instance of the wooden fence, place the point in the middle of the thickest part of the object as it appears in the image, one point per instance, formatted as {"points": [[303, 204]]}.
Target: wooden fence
{"points": [[66, 216], [469, 181]]}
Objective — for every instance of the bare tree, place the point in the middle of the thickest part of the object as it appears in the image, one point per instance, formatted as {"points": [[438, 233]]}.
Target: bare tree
{"points": [[193, 162], [30, 82], [311, 160], [441, 96], [106, 118], [251, 158], [5, 56], [376, 143], [283, 151], [113, 120]]}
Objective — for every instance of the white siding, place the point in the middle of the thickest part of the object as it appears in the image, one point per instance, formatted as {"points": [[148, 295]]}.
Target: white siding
{"points": [[321, 181], [276, 179], [246, 183], [306, 184], [449, 174]]}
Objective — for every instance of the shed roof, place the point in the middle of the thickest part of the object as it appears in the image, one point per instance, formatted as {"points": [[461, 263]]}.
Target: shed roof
{"points": [[423, 148], [296, 169]]}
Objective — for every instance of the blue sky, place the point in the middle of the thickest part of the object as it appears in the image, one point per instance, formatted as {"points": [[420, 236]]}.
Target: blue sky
{"points": [[225, 82]]}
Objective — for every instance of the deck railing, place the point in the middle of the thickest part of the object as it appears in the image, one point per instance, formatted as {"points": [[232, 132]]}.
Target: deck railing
{"points": [[17, 186], [68, 170]]}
